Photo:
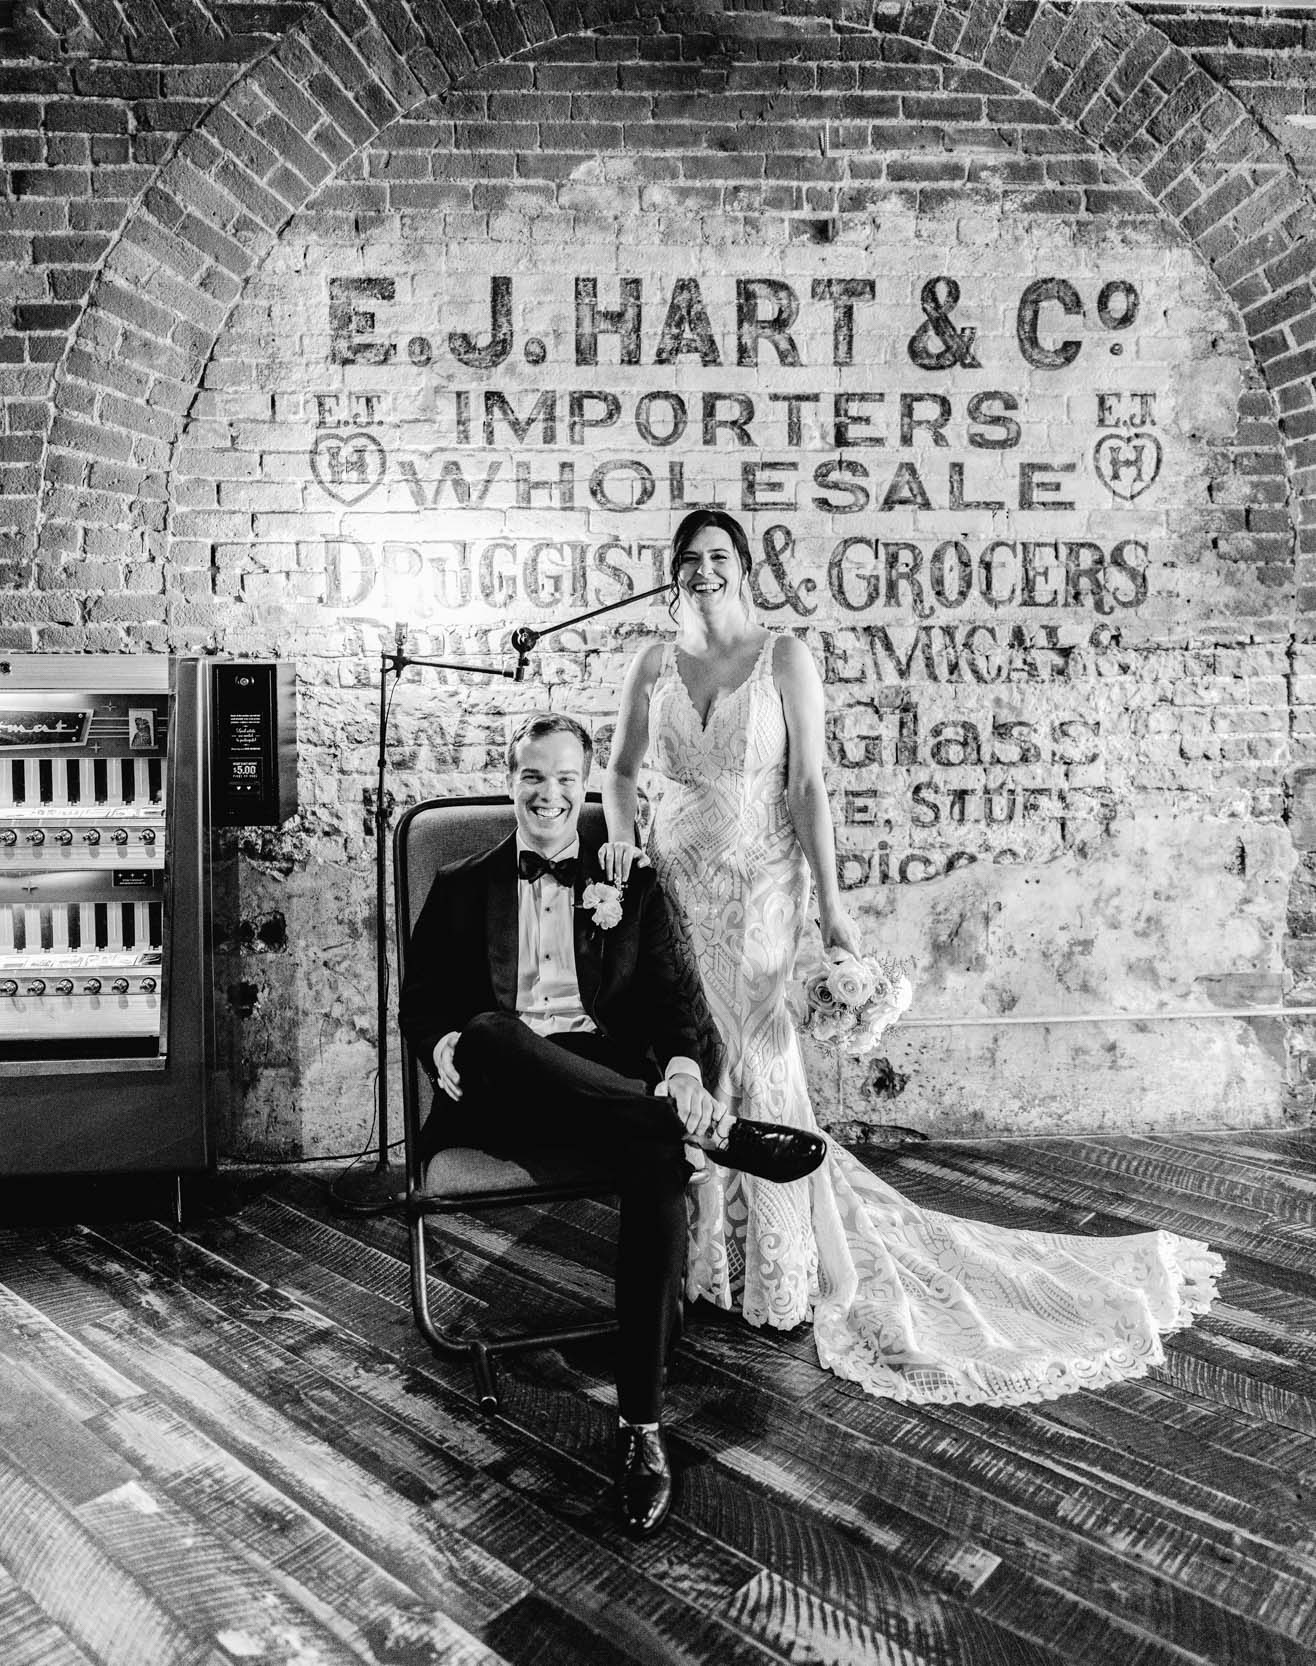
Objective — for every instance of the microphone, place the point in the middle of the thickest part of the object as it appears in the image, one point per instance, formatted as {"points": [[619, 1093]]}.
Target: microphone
{"points": [[400, 635], [523, 640]]}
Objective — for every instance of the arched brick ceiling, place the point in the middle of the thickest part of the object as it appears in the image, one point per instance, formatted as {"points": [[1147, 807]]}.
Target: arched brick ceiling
{"points": [[217, 207]]}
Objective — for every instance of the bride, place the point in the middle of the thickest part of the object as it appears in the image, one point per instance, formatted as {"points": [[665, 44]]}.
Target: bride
{"points": [[911, 1303]]}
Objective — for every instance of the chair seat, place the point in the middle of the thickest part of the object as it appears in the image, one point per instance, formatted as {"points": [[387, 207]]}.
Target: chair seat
{"points": [[462, 1171]]}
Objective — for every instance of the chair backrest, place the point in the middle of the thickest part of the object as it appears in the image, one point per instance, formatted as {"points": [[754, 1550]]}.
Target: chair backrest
{"points": [[442, 830], [428, 837]]}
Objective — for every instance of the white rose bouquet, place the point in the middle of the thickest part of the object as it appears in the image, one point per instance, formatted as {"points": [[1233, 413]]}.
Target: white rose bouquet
{"points": [[850, 1003]]}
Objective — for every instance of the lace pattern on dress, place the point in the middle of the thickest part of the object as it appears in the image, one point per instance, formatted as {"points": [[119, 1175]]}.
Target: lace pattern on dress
{"points": [[912, 1304]]}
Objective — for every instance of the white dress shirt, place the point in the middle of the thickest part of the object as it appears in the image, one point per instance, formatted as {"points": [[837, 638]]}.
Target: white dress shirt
{"points": [[547, 992]]}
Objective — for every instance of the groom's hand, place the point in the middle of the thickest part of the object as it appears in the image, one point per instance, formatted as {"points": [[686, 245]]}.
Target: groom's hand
{"points": [[444, 1068], [695, 1106]]}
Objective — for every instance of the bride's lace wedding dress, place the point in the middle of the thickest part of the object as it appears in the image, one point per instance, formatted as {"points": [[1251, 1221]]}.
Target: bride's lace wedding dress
{"points": [[911, 1303]]}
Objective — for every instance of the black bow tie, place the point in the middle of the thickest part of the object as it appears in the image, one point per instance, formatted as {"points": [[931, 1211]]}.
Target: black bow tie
{"points": [[530, 864]]}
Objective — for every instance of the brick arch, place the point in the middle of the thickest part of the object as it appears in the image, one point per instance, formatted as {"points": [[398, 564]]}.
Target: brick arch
{"points": [[1196, 151], [139, 355], [135, 362]]}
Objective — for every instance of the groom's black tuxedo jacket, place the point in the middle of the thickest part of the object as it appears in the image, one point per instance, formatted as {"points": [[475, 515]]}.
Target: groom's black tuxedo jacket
{"points": [[635, 983]]}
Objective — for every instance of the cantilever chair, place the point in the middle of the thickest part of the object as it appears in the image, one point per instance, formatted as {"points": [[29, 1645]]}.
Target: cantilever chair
{"points": [[459, 1179]]}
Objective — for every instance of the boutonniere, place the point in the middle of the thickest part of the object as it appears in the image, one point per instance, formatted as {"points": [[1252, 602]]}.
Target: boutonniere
{"points": [[605, 900]]}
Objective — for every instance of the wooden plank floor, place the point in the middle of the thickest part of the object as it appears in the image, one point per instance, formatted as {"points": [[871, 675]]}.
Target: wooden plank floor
{"points": [[231, 1445]]}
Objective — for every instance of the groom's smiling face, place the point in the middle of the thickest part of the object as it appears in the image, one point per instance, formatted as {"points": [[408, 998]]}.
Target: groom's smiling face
{"points": [[547, 787]]}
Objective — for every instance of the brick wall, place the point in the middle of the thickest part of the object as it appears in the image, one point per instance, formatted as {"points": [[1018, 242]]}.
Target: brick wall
{"points": [[1063, 628], [1265, 59]]}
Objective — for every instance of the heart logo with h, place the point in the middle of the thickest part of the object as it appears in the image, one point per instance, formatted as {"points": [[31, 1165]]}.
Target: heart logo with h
{"points": [[1128, 463], [348, 467]]}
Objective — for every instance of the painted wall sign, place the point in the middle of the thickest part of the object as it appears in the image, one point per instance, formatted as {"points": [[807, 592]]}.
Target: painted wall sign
{"points": [[969, 485]]}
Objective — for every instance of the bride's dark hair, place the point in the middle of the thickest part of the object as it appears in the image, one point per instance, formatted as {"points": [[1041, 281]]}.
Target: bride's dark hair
{"points": [[695, 522]]}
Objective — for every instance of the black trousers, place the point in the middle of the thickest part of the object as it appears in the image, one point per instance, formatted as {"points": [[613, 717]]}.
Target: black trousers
{"points": [[521, 1093]]}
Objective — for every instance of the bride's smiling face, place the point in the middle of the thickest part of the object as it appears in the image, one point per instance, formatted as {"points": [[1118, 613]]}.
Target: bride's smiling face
{"points": [[710, 574]]}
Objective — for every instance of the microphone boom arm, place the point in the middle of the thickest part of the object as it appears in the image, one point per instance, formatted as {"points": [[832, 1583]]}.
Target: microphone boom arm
{"points": [[398, 663], [524, 639]]}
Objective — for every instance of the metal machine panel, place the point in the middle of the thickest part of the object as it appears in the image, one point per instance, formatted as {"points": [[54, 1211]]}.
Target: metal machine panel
{"points": [[104, 971], [253, 778]]}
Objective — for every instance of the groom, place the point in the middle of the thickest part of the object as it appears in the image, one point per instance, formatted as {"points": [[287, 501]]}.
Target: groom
{"points": [[555, 1019]]}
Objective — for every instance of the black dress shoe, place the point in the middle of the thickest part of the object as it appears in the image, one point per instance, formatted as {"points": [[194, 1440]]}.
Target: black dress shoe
{"points": [[771, 1152], [644, 1479]]}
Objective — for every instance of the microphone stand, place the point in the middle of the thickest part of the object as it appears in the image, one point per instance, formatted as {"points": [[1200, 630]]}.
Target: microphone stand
{"points": [[378, 1189], [374, 1190]]}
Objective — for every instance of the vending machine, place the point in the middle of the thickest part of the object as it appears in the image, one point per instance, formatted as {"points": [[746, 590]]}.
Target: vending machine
{"points": [[105, 982]]}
